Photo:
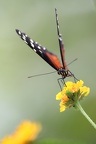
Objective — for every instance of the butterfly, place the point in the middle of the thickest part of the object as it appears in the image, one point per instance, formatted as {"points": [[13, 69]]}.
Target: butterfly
{"points": [[48, 56]]}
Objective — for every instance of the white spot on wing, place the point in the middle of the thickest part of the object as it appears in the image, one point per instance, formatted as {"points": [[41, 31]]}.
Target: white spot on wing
{"points": [[19, 32], [39, 47], [31, 41], [60, 38], [32, 44], [40, 51], [44, 48], [34, 50], [36, 42], [24, 38]]}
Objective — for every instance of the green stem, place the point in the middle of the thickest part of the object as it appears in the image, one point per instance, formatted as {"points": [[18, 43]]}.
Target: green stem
{"points": [[83, 112]]}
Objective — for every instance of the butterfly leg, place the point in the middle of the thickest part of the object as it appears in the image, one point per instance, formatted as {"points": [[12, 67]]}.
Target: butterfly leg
{"points": [[61, 80], [72, 75], [75, 79]]}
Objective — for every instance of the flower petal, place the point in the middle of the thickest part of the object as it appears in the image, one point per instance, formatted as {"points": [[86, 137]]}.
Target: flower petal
{"points": [[62, 107], [59, 96]]}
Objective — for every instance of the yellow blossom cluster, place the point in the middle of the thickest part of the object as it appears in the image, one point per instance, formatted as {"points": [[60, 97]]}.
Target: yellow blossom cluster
{"points": [[71, 93]]}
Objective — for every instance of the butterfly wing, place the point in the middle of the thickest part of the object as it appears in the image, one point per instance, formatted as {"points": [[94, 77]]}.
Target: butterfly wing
{"points": [[49, 57], [61, 45]]}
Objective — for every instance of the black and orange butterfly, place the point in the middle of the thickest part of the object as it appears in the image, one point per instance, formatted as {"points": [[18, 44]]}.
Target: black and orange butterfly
{"points": [[49, 57]]}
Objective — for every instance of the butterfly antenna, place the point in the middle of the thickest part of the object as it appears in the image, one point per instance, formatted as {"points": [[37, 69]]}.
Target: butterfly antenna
{"points": [[50, 72], [41, 74], [72, 61], [61, 45]]}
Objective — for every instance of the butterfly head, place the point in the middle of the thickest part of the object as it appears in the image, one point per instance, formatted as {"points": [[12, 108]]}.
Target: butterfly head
{"points": [[64, 73]]}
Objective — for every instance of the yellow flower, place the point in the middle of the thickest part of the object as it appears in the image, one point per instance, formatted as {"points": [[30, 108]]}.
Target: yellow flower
{"points": [[85, 90], [71, 93], [62, 107], [27, 131], [59, 96]]}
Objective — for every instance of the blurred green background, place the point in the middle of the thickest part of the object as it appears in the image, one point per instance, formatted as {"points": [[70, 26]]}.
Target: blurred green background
{"points": [[34, 99]]}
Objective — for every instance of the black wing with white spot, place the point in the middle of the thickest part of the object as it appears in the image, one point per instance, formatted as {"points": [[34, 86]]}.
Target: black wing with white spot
{"points": [[49, 57]]}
